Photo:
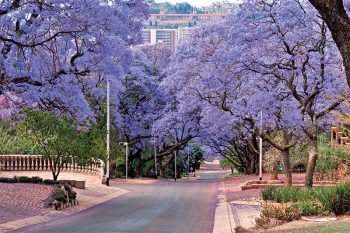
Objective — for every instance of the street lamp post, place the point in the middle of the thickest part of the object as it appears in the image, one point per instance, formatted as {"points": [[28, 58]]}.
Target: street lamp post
{"points": [[126, 157], [155, 158], [108, 131], [175, 165], [188, 163], [260, 145], [155, 153]]}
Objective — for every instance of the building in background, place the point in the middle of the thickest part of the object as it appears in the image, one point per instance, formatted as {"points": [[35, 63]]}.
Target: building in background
{"points": [[167, 36], [183, 33], [173, 29], [181, 20]]}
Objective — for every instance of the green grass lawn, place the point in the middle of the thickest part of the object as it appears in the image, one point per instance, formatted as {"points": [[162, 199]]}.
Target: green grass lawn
{"points": [[340, 227], [233, 175]]}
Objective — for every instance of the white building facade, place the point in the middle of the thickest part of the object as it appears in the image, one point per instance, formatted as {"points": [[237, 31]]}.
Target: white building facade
{"points": [[170, 37]]}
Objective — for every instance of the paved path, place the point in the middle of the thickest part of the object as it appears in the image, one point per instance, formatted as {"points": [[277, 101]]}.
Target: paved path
{"points": [[21, 204], [22, 200], [168, 206]]}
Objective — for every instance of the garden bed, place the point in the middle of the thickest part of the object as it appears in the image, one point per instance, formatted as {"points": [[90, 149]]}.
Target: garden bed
{"points": [[38, 180], [62, 195], [286, 204]]}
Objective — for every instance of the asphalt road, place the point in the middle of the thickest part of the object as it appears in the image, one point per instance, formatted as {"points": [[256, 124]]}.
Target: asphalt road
{"points": [[168, 206]]}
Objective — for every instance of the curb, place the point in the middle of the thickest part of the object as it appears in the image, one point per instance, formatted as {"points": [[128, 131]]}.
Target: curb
{"points": [[224, 220]]}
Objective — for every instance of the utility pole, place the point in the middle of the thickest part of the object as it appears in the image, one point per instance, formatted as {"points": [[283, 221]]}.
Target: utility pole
{"points": [[155, 153], [155, 158], [175, 165], [188, 163], [126, 157], [108, 131], [260, 145]]}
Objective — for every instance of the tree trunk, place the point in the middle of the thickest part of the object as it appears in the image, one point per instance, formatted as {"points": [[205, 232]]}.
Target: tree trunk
{"points": [[54, 176], [287, 167], [247, 170], [311, 163], [163, 166], [54, 169], [160, 168], [138, 171], [274, 174], [338, 21], [161, 171]]}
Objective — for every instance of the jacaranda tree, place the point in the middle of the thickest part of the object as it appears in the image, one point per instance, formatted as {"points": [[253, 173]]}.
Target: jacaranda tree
{"points": [[53, 51]]}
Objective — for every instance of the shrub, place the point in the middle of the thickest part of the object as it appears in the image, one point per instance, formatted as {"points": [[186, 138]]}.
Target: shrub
{"points": [[67, 187], [50, 182], [131, 172], [281, 212], [59, 195], [72, 195], [70, 182], [326, 195], [8, 180], [36, 180], [154, 176], [69, 190], [291, 194], [328, 159], [267, 194], [24, 179], [309, 207], [273, 210], [291, 213], [341, 202], [262, 221], [321, 200]]}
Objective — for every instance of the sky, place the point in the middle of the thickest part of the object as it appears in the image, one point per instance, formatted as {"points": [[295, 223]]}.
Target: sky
{"points": [[197, 3]]}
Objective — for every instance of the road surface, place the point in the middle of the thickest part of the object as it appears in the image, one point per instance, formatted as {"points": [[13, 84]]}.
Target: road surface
{"points": [[185, 206]]}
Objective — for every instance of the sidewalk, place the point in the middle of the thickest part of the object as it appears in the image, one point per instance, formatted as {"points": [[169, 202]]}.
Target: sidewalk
{"points": [[224, 220], [232, 211], [94, 194]]}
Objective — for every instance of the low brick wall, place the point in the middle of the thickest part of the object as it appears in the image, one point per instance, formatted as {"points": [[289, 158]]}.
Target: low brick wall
{"points": [[260, 184]]}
